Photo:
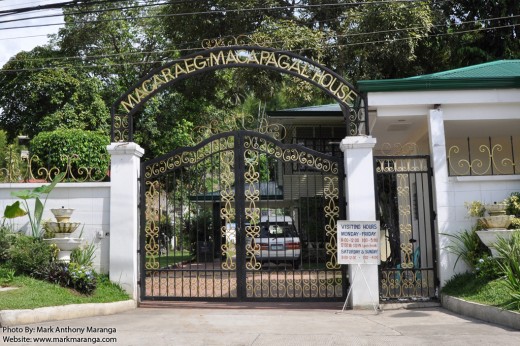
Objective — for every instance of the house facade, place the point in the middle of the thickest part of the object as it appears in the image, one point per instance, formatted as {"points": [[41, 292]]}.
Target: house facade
{"points": [[442, 140]]}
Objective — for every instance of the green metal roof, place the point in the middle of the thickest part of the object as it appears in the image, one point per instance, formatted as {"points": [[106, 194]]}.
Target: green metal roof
{"points": [[492, 75], [332, 110]]}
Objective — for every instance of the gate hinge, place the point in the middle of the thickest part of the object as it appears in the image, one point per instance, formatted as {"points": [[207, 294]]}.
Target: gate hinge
{"points": [[434, 214], [431, 171], [139, 251], [138, 282]]}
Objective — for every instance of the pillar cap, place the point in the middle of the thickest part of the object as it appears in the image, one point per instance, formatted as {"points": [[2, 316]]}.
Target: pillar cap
{"points": [[357, 142], [125, 148]]}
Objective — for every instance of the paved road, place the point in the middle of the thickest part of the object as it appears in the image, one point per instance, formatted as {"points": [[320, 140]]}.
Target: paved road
{"points": [[258, 326]]}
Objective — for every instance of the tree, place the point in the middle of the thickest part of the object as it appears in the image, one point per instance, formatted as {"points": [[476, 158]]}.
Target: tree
{"points": [[187, 24], [490, 30], [384, 38], [117, 42], [81, 154], [36, 97], [106, 47]]}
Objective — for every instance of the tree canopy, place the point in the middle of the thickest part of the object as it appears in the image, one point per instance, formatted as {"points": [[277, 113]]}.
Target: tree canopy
{"points": [[106, 47], [35, 98]]}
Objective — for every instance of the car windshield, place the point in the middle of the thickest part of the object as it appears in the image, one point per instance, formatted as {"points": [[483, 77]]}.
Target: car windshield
{"points": [[277, 230]]}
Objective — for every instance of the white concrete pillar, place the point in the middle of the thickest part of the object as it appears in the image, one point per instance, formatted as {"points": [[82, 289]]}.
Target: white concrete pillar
{"points": [[441, 191], [361, 206], [124, 214]]}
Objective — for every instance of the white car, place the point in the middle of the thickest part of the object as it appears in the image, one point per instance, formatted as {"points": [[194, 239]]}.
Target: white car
{"points": [[278, 241]]}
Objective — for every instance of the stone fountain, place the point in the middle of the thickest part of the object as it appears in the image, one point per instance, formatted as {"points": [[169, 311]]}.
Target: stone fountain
{"points": [[61, 231], [495, 225]]}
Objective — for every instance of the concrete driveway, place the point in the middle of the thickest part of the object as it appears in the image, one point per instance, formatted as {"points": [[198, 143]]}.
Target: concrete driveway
{"points": [[272, 324]]}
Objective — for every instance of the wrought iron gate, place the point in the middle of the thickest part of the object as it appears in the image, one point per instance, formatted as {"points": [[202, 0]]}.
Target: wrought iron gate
{"points": [[241, 216], [404, 208]]}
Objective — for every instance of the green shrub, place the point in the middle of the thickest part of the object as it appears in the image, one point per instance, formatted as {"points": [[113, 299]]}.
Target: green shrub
{"points": [[166, 227], [6, 275], [515, 223], [468, 247], [28, 254], [7, 238], [488, 268], [509, 251], [82, 278], [55, 272], [3, 148], [82, 154], [475, 208], [513, 204], [72, 275], [84, 255]]}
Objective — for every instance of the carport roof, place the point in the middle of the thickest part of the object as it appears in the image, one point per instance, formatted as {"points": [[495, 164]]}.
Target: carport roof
{"points": [[331, 110], [492, 75]]}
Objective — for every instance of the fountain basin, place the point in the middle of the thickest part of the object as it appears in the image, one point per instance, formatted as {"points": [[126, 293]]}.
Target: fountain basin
{"points": [[66, 245], [497, 221], [62, 214], [496, 209], [490, 236], [61, 227]]}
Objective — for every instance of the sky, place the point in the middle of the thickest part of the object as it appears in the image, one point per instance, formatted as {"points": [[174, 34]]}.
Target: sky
{"points": [[13, 41]]}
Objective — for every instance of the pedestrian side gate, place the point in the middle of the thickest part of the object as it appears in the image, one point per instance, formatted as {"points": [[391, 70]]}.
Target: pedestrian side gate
{"points": [[404, 208]]}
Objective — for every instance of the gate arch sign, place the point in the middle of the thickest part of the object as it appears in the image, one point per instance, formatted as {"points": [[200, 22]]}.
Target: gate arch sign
{"points": [[351, 102]]}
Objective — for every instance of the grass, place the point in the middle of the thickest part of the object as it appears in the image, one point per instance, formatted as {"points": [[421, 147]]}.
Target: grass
{"points": [[173, 257], [469, 287], [32, 293]]}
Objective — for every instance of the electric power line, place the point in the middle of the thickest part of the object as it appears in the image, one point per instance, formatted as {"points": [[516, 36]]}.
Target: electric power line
{"points": [[218, 11], [190, 47], [187, 44], [306, 48]]}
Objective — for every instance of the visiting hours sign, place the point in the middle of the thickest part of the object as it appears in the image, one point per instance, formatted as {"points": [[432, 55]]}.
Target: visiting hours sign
{"points": [[358, 242]]}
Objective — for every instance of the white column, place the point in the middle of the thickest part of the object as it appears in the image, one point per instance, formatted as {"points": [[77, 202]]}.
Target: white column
{"points": [[441, 191], [361, 206], [124, 218]]}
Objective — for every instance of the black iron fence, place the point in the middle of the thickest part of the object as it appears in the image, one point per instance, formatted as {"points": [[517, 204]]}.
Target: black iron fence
{"points": [[21, 166]]}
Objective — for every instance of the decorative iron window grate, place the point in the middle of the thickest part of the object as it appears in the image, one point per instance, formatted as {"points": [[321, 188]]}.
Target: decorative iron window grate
{"points": [[483, 156]]}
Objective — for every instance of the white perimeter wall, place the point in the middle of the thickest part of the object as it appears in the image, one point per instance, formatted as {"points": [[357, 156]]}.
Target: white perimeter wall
{"points": [[451, 193], [91, 202], [453, 216]]}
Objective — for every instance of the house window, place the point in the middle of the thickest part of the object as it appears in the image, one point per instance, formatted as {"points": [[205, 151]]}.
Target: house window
{"points": [[324, 139]]}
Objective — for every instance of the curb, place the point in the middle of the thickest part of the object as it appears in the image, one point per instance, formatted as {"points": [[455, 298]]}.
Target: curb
{"points": [[64, 312], [482, 312]]}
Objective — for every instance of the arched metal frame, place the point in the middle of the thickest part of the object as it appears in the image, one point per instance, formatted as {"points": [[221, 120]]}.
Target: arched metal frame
{"points": [[352, 103]]}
